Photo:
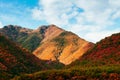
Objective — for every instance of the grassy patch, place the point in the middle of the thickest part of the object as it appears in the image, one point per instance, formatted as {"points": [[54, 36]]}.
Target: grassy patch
{"points": [[76, 72]]}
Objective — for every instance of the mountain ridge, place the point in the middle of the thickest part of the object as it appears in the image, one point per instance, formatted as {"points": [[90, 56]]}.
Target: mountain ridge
{"points": [[105, 52], [50, 42], [24, 35]]}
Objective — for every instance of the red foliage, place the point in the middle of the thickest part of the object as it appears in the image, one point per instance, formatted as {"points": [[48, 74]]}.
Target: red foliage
{"points": [[107, 49]]}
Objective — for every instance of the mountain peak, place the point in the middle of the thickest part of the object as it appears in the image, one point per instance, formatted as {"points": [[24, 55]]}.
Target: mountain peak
{"points": [[41, 29], [12, 27], [17, 28], [51, 32], [52, 26]]}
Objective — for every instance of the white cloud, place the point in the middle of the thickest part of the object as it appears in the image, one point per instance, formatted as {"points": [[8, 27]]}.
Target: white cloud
{"points": [[114, 3], [84, 17], [96, 36], [37, 14], [116, 15], [1, 25]]}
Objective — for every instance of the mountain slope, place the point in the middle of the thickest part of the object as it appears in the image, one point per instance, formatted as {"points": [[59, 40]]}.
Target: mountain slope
{"points": [[14, 60], [27, 38], [65, 48], [51, 32], [107, 51], [102, 62], [49, 42]]}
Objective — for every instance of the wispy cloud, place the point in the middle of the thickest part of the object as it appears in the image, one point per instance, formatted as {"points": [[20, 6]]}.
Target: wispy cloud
{"points": [[1, 25], [90, 19]]}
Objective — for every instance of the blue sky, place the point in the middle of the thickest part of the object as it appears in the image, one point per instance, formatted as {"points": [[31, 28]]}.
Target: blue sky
{"points": [[18, 12], [90, 19]]}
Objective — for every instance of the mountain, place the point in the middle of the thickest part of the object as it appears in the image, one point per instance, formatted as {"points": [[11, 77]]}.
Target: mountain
{"points": [[105, 52], [49, 42], [66, 48], [102, 62], [15, 61], [27, 38], [51, 32]]}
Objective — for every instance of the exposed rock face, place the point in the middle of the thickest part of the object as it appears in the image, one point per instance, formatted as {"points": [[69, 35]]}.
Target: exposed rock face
{"points": [[66, 48], [52, 32]]}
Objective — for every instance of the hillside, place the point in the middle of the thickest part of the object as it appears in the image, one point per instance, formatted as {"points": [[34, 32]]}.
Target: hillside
{"points": [[49, 42], [102, 62], [107, 51], [66, 48], [27, 38], [15, 61]]}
